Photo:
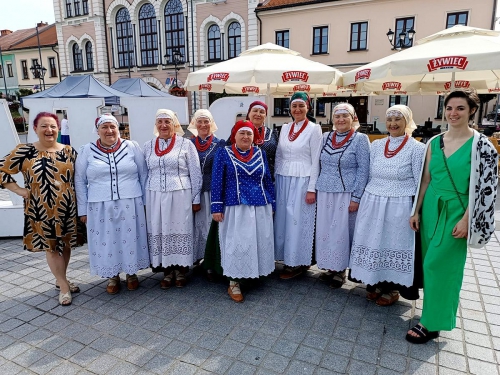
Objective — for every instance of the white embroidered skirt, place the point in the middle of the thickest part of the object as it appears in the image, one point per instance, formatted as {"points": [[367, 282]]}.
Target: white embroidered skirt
{"points": [[293, 221], [117, 240], [202, 221], [334, 230], [246, 241], [384, 245], [170, 227]]}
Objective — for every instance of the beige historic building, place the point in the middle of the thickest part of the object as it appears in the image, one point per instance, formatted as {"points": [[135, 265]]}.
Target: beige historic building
{"points": [[145, 38], [349, 33]]}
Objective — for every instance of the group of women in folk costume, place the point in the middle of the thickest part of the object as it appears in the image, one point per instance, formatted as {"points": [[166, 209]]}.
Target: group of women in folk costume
{"points": [[205, 198]]}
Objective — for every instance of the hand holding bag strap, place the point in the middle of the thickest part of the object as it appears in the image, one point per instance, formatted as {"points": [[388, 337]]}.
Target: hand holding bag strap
{"points": [[441, 144]]}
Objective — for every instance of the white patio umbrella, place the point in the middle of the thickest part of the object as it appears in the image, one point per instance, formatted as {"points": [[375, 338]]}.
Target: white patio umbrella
{"points": [[263, 69], [460, 56]]}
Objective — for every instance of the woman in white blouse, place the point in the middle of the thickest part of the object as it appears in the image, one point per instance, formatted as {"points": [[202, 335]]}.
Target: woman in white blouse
{"points": [[383, 249], [109, 179], [173, 193], [296, 170]]}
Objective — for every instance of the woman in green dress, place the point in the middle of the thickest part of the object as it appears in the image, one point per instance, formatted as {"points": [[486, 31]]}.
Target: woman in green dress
{"points": [[455, 209]]}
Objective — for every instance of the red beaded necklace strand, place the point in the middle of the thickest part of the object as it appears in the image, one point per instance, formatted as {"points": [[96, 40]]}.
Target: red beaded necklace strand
{"points": [[261, 133], [203, 147], [388, 153], [108, 150], [343, 142], [292, 136], [244, 159], [167, 150]]}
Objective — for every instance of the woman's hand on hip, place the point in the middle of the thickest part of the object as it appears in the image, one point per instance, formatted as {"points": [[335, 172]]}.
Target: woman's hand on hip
{"points": [[461, 229], [196, 207], [415, 222], [218, 217], [353, 206], [310, 197], [83, 219]]}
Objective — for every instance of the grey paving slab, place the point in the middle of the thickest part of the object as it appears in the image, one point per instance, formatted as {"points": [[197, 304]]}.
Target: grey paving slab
{"points": [[299, 326]]}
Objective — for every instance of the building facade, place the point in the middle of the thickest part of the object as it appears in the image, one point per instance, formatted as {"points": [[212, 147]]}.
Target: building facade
{"points": [[346, 34], [155, 40]]}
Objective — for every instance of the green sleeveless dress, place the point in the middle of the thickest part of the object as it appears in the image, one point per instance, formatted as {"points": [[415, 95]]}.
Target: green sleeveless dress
{"points": [[443, 255]]}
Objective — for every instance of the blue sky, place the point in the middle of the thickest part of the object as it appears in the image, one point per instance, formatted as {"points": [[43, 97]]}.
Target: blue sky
{"points": [[23, 14]]}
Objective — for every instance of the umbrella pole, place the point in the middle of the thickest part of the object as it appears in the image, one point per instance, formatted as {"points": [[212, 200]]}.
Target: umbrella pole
{"points": [[314, 109], [442, 115], [496, 111], [268, 103]]}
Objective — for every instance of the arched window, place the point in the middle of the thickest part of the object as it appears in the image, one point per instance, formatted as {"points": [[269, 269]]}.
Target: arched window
{"points": [[77, 58], [124, 39], [89, 56], [148, 35], [174, 29], [213, 43], [233, 40]]}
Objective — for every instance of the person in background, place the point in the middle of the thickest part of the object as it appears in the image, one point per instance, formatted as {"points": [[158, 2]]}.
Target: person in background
{"points": [[65, 139], [173, 192], [49, 197], [110, 175]]}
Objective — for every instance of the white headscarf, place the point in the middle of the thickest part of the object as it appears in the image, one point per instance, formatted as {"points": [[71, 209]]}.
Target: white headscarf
{"points": [[346, 107], [407, 114], [167, 113], [106, 117], [199, 114]]}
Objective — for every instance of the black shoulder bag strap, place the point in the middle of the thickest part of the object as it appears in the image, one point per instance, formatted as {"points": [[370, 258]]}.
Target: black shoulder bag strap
{"points": [[441, 144]]}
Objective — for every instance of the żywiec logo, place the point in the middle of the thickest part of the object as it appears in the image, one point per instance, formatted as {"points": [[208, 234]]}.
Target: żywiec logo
{"points": [[302, 87], [400, 92], [205, 86], [329, 94], [295, 75], [448, 62], [458, 85], [218, 77], [348, 87], [363, 74], [494, 90], [391, 86], [246, 89]]}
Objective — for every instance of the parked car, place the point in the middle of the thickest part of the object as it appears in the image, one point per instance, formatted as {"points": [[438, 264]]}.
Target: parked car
{"points": [[491, 115]]}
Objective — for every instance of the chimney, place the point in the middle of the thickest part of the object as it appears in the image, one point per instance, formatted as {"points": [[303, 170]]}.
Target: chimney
{"points": [[41, 24], [5, 32]]}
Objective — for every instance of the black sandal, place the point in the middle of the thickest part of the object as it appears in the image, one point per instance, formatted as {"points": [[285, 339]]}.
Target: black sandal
{"points": [[338, 279], [424, 335]]}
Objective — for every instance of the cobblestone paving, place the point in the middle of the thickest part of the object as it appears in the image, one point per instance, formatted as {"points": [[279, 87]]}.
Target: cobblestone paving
{"points": [[299, 326]]}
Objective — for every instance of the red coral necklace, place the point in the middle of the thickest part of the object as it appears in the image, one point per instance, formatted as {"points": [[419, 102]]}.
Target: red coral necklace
{"points": [[244, 159], [343, 142], [388, 153], [167, 150], [261, 133], [203, 147], [108, 150], [292, 136]]}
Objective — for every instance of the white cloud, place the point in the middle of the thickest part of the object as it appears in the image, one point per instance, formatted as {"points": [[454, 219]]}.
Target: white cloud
{"points": [[23, 14]]}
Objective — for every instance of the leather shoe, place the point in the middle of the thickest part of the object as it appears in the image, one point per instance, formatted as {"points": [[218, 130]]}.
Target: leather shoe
{"points": [[132, 282], [180, 279], [234, 292], [388, 299], [167, 280], [291, 272], [113, 286]]}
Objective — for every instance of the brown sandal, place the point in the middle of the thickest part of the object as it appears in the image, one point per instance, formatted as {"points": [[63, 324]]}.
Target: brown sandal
{"points": [[373, 296], [388, 299]]}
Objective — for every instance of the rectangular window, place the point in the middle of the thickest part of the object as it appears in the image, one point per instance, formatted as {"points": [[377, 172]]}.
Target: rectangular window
{"points": [[85, 6], [458, 18], [398, 99], [320, 40], [9, 70], [282, 107], [439, 112], [403, 25], [1, 71], [36, 73], [320, 108], [77, 7], [52, 67], [359, 33], [283, 38], [69, 12], [24, 68]]}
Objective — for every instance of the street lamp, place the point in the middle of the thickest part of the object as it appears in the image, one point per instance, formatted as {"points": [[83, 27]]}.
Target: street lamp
{"points": [[38, 71], [400, 41], [176, 60]]}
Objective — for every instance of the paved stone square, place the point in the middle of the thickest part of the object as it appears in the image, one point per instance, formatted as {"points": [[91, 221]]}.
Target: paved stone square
{"points": [[299, 326]]}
